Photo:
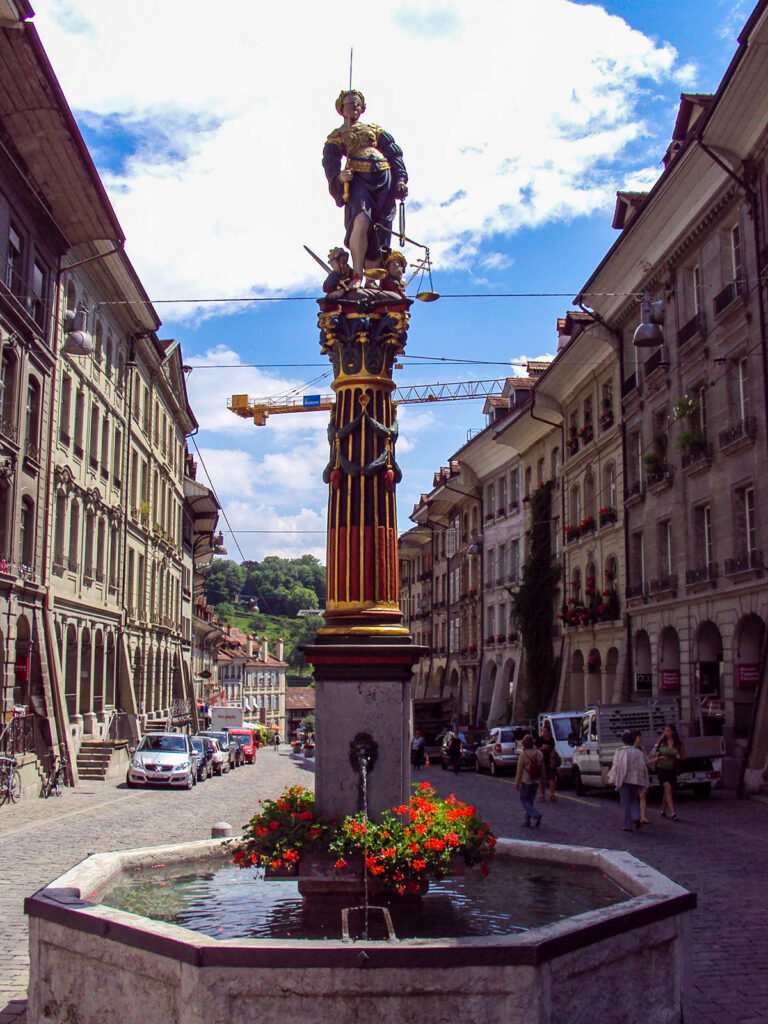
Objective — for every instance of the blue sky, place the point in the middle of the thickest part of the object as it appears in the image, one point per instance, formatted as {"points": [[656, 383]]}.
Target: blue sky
{"points": [[519, 120]]}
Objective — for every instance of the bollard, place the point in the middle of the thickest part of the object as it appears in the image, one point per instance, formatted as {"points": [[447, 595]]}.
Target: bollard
{"points": [[221, 830]]}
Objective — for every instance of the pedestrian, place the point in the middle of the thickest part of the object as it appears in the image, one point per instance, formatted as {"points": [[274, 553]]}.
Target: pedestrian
{"points": [[644, 791], [548, 782], [530, 768], [629, 773], [277, 741], [454, 752], [665, 757], [417, 750]]}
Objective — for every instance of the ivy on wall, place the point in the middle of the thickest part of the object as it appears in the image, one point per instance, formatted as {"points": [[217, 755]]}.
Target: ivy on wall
{"points": [[533, 606]]}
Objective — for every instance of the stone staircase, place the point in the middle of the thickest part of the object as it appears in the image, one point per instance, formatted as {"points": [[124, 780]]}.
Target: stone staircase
{"points": [[94, 758]]}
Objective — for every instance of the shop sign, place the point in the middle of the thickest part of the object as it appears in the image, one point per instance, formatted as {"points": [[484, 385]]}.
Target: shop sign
{"points": [[747, 675], [670, 679]]}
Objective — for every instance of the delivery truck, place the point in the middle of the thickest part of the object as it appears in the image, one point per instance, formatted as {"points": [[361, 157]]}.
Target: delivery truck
{"points": [[599, 737], [226, 718]]}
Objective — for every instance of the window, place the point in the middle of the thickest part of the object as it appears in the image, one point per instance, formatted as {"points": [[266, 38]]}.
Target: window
{"points": [[664, 532], [502, 493], [109, 357], [554, 464], [750, 532], [64, 408], [74, 535], [98, 343], [696, 289], [514, 488], [514, 560], [27, 533], [7, 380], [528, 482], [737, 267], [14, 278], [702, 526], [742, 381], [637, 560], [79, 409], [93, 446], [609, 486], [32, 425], [38, 288]]}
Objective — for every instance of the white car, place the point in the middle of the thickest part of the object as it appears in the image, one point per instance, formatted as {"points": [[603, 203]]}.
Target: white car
{"points": [[220, 757], [163, 759]]}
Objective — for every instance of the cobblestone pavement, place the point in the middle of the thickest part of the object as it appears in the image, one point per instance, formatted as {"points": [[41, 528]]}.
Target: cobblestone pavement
{"points": [[718, 848]]}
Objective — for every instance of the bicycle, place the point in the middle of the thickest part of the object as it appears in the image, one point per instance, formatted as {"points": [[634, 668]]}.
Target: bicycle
{"points": [[54, 782], [10, 780]]}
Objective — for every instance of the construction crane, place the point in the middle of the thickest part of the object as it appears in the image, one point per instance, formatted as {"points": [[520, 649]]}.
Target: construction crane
{"points": [[261, 408]]}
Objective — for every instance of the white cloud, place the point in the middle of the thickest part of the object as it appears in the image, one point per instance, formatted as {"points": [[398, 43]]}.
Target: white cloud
{"points": [[518, 137]]}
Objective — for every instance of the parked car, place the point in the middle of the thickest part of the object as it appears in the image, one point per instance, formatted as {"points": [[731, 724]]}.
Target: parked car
{"points": [[163, 758], [245, 740], [204, 749], [220, 756], [470, 741], [234, 753], [498, 752]]}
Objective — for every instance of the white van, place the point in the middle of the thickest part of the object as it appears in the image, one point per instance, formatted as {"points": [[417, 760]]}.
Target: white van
{"points": [[564, 725]]}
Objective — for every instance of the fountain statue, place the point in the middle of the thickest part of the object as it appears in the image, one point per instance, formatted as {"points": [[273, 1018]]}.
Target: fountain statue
{"points": [[363, 656]]}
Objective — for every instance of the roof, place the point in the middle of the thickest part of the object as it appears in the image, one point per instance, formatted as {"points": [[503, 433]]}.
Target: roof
{"points": [[300, 698], [39, 124]]}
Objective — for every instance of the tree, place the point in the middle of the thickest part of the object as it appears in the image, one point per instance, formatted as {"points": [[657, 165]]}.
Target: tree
{"points": [[224, 581]]}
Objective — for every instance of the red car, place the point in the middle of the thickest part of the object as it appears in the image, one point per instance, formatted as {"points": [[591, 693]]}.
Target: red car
{"points": [[244, 739]]}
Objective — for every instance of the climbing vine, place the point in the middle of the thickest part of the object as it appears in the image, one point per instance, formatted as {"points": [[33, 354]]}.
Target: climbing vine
{"points": [[533, 605]]}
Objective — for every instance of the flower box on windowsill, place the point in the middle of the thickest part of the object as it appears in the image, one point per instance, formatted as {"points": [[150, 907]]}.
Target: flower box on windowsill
{"points": [[606, 419], [607, 516]]}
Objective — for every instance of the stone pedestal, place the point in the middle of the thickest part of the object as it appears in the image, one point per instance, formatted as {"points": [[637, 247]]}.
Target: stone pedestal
{"points": [[362, 687]]}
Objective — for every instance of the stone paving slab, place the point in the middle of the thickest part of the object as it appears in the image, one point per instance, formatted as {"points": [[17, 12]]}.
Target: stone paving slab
{"points": [[719, 849]]}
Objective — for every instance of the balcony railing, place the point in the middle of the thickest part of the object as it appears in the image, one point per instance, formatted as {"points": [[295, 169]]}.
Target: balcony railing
{"points": [[664, 583], [696, 325], [748, 561], [659, 477], [701, 455], [655, 360], [729, 294], [703, 574], [745, 429]]}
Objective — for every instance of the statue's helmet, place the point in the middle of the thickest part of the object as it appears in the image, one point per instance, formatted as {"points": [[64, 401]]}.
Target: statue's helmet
{"points": [[349, 92]]}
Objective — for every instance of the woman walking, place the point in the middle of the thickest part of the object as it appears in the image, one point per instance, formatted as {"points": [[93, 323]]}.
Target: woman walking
{"points": [[629, 774], [668, 751], [530, 768], [548, 781]]}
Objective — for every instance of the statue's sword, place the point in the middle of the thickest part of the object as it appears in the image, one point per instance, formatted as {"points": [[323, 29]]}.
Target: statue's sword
{"points": [[317, 259], [401, 231]]}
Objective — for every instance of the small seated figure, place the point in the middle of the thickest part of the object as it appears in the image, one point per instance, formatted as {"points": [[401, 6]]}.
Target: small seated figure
{"points": [[338, 281], [394, 264]]}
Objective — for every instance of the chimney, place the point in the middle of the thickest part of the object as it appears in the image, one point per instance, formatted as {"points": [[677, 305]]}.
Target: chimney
{"points": [[249, 646], [264, 649], [279, 650]]}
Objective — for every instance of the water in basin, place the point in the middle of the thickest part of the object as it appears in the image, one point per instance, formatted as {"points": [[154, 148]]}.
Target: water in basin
{"points": [[224, 902]]}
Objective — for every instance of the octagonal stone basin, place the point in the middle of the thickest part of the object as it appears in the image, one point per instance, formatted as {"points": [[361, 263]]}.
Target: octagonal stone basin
{"points": [[93, 964]]}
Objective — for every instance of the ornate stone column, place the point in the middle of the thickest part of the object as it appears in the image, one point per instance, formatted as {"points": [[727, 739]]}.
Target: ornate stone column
{"points": [[363, 656]]}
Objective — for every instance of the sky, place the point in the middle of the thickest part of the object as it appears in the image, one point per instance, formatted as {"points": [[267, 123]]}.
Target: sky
{"points": [[519, 120]]}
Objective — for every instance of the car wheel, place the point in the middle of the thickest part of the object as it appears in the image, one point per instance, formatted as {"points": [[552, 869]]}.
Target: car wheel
{"points": [[578, 785], [494, 768], [478, 769], [128, 782], [190, 780]]}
